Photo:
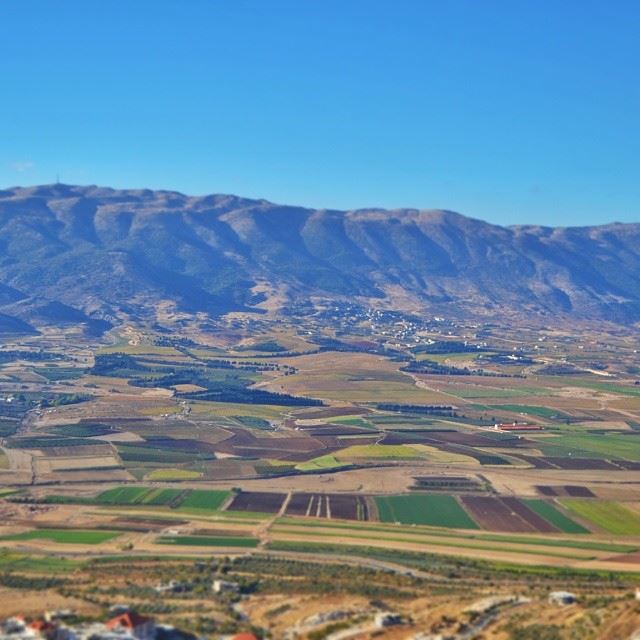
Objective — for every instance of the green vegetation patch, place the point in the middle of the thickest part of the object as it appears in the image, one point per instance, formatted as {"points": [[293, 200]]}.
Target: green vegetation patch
{"points": [[610, 516], [121, 495], [322, 463], [23, 563], [83, 430], [254, 423], [66, 536], [173, 475], [433, 510], [161, 497], [541, 412], [204, 499], [597, 445], [386, 451], [209, 541], [552, 515], [135, 453]]}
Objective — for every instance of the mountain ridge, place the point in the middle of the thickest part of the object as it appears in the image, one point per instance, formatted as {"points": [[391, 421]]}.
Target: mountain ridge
{"points": [[64, 244]]}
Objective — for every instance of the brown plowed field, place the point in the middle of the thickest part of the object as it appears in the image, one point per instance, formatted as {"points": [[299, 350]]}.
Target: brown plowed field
{"points": [[574, 491], [261, 502], [342, 506], [493, 514], [529, 516]]}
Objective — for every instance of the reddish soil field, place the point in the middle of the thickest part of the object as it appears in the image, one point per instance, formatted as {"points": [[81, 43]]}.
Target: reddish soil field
{"points": [[628, 465], [545, 490], [538, 463], [529, 516], [299, 504], [349, 507], [576, 491], [633, 558], [261, 502], [493, 514]]}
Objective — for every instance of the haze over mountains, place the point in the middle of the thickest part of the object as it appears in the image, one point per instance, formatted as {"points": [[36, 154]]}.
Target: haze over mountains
{"points": [[70, 253]]}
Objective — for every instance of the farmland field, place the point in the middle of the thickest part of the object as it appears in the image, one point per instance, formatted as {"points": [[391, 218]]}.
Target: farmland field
{"points": [[204, 499], [121, 495], [555, 517], [65, 536], [435, 510], [610, 516], [209, 541], [257, 502], [173, 475]]}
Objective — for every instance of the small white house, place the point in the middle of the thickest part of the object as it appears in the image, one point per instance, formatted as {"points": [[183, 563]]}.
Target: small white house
{"points": [[222, 586], [562, 598]]}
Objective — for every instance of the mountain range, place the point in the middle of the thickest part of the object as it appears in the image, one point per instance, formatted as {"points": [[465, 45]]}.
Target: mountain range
{"points": [[93, 254]]}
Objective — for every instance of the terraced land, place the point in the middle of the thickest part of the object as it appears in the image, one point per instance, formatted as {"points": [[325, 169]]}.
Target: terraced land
{"points": [[434, 510]]}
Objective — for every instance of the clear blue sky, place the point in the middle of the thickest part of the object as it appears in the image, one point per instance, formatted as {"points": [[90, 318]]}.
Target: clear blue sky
{"points": [[513, 111]]}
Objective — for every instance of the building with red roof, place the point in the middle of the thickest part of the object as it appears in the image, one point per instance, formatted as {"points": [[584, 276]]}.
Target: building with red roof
{"points": [[137, 625]]}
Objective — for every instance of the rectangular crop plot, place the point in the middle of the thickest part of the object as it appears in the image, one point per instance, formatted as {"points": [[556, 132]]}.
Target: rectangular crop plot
{"points": [[610, 516], [448, 483], [341, 506], [66, 536], [209, 541], [570, 490], [529, 516], [257, 502], [348, 507], [203, 499], [493, 514], [122, 495], [434, 510], [555, 517], [161, 497]]}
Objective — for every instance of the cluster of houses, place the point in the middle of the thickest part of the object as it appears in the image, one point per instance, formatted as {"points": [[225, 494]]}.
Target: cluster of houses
{"points": [[125, 624]]}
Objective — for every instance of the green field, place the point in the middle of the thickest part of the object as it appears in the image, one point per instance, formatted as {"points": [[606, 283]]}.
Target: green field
{"points": [[66, 536], [610, 516], [161, 497], [121, 495], [599, 445], [552, 515], [173, 475], [82, 430], [203, 499], [541, 412], [437, 511], [209, 541], [387, 451], [323, 463], [18, 562]]}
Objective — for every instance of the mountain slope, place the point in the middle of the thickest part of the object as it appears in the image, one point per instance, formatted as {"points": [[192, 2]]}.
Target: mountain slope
{"points": [[98, 252]]}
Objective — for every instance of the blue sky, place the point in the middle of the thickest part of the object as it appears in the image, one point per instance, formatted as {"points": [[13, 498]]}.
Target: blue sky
{"points": [[513, 111]]}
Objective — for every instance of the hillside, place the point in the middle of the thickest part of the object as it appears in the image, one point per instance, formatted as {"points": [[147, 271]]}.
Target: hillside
{"points": [[72, 254]]}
